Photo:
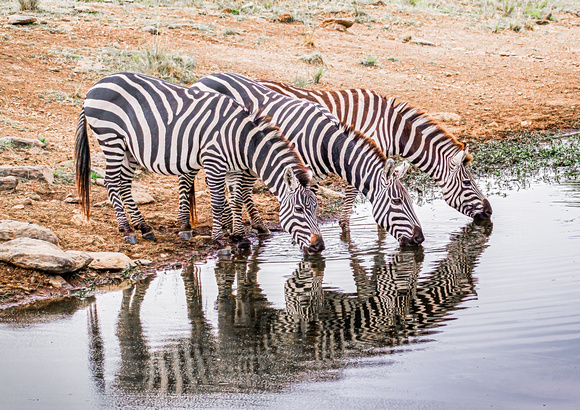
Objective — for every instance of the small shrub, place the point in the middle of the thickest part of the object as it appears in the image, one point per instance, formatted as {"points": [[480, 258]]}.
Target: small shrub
{"points": [[26, 5], [314, 58], [369, 61], [230, 32]]}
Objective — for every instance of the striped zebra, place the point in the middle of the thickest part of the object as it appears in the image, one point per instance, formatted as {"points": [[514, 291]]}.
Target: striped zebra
{"points": [[327, 148], [406, 131], [173, 130]]}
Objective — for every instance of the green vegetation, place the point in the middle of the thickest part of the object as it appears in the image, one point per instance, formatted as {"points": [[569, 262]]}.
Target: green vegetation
{"points": [[512, 161], [154, 61], [369, 61], [309, 79]]}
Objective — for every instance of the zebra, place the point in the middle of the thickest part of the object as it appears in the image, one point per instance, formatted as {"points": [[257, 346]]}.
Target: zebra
{"points": [[172, 130], [400, 129], [327, 147]]}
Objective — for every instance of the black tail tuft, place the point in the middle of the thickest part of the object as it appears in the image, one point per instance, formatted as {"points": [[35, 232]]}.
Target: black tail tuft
{"points": [[83, 164]]}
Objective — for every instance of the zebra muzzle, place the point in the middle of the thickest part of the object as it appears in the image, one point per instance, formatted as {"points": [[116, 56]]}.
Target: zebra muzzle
{"points": [[316, 245], [415, 239]]}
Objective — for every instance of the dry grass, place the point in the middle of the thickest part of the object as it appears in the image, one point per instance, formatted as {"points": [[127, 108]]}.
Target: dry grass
{"points": [[29, 5]]}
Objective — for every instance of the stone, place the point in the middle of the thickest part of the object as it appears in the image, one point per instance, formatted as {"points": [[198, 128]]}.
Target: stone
{"points": [[339, 27], [8, 183], [20, 20], [151, 30], [37, 172], [342, 22], [329, 193], [110, 261], [42, 255], [18, 142], [422, 42], [201, 240], [59, 282], [144, 262], [140, 195], [14, 229], [285, 18], [445, 116], [84, 9]]}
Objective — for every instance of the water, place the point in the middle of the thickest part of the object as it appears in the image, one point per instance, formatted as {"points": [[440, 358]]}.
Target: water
{"points": [[480, 316]]}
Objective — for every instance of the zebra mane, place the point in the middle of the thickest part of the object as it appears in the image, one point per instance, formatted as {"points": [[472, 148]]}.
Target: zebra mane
{"points": [[357, 136], [424, 122], [263, 124]]}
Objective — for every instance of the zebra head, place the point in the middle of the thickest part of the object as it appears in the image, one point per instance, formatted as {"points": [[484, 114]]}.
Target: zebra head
{"points": [[460, 190], [393, 207], [298, 209]]}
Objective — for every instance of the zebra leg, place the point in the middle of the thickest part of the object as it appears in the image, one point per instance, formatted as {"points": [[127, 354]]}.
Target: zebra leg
{"points": [[256, 220], [112, 182], [184, 216], [344, 219], [216, 183], [126, 178], [234, 181]]}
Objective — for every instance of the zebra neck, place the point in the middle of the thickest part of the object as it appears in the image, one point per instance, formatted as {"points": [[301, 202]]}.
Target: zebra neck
{"points": [[354, 158], [406, 132], [267, 157]]}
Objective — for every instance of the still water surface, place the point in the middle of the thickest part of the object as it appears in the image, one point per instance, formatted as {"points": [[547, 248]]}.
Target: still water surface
{"points": [[482, 315]]}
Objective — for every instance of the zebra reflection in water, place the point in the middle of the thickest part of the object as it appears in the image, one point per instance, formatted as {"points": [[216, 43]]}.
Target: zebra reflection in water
{"points": [[256, 346]]}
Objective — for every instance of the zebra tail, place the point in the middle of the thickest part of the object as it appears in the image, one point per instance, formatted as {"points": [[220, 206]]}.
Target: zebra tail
{"points": [[192, 205], [83, 165]]}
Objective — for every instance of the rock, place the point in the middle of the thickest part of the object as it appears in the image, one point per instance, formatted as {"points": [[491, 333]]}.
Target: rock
{"points": [[20, 20], [144, 262], [59, 282], [151, 30], [19, 206], [84, 9], [285, 18], [38, 172], [201, 240], [140, 195], [110, 260], [422, 42], [341, 22], [8, 183], [36, 254], [445, 116], [329, 193], [18, 142], [340, 28], [525, 123], [14, 229]]}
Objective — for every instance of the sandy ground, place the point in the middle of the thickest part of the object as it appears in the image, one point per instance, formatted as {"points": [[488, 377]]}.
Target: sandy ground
{"points": [[480, 84]]}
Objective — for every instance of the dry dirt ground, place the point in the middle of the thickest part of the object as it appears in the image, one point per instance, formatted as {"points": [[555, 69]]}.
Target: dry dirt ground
{"points": [[492, 83]]}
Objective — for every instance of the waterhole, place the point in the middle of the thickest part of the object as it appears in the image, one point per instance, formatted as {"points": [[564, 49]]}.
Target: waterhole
{"points": [[480, 315]]}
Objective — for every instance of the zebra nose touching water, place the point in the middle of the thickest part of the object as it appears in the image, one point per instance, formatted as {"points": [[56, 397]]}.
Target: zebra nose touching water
{"points": [[172, 130], [326, 147]]}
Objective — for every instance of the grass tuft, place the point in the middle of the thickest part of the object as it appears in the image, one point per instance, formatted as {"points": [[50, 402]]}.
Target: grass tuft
{"points": [[29, 5]]}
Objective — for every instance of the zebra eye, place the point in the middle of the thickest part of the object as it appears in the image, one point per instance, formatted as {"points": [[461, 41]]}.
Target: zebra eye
{"points": [[299, 209], [466, 182], [397, 201]]}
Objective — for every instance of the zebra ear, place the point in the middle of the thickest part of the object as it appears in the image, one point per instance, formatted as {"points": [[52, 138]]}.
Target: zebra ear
{"points": [[389, 168], [402, 169], [459, 157], [289, 177]]}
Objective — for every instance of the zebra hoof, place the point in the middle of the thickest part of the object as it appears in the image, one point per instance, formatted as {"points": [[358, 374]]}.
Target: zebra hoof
{"points": [[262, 231], [150, 236], [131, 240], [186, 235], [244, 244]]}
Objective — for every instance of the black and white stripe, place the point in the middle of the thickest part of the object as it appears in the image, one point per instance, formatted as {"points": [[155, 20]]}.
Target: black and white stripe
{"points": [[327, 148], [173, 130], [406, 131]]}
